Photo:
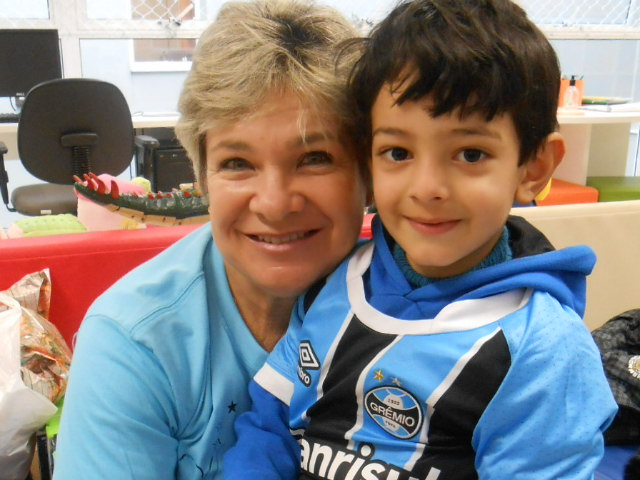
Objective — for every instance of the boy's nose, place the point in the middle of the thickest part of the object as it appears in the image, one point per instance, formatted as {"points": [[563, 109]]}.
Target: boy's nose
{"points": [[428, 182]]}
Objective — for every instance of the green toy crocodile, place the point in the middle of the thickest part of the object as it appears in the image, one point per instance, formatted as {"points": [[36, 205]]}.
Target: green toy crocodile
{"points": [[182, 206]]}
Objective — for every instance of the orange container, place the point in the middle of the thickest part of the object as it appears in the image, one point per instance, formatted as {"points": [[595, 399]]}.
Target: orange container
{"points": [[564, 84], [563, 192]]}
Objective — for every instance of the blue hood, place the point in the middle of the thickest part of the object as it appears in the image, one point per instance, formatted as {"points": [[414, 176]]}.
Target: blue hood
{"points": [[536, 265]]}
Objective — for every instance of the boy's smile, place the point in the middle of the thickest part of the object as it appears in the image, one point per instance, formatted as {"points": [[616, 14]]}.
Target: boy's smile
{"points": [[443, 186]]}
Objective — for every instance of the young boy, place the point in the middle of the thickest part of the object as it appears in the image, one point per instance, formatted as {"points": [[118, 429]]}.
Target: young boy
{"points": [[452, 347]]}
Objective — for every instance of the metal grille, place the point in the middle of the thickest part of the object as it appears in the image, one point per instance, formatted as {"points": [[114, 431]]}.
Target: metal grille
{"points": [[186, 18], [574, 13], [585, 18], [558, 18], [363, 13], [162, 9]]}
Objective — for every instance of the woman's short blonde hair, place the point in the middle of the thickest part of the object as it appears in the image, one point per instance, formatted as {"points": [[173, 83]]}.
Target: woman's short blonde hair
{"points": [[262, 47]]}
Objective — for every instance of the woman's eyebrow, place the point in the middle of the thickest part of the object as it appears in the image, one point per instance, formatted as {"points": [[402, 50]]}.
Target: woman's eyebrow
{"points": [[311, 138], [231, 145]]}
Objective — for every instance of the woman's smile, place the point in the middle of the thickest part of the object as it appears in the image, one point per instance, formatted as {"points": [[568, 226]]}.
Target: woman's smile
{"points": [[282, 239]]}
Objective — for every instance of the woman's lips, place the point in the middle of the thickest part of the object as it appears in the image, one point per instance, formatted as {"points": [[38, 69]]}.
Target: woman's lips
{"points": [[281, 240]]}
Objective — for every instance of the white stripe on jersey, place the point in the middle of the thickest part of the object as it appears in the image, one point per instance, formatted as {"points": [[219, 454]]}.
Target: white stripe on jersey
{"points": [[275, 383], [457, 316]]}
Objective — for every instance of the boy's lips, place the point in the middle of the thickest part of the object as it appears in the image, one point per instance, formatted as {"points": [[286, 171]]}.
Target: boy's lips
{"points": [[433, 226]]}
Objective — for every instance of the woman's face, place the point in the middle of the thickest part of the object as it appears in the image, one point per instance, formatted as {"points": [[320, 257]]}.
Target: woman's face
{"points": [[286, 198]]}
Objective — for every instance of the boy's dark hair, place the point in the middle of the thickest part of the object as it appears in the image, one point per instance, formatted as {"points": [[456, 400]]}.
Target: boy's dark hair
{"points": [[481, 56]]}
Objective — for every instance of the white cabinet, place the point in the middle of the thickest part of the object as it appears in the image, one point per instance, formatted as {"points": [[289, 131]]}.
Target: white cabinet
{"points": [[597, 144]]}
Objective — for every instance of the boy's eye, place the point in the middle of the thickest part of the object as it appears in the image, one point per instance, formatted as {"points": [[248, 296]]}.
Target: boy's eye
{"points": [[235, 164], [316, 158], [397, 154], [471, 155]]}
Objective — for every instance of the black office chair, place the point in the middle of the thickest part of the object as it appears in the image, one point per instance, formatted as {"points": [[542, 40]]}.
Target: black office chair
{"points": [[68, 127]]}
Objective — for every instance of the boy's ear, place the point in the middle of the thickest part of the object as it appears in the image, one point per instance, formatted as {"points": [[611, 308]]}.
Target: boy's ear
{"points": [[538, 171]]}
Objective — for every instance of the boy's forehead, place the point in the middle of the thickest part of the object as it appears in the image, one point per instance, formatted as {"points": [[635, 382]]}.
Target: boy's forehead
{"points": [[391, 94], [407, 77], [389, 115]]}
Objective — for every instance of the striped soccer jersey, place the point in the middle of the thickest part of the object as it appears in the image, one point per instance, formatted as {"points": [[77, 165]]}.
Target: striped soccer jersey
{"points": [[475, 387]]}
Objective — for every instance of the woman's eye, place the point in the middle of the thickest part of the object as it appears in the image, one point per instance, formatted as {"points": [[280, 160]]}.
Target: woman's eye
{"points": [[471, 155], [235, 164], [397, 154], [316, 158]]}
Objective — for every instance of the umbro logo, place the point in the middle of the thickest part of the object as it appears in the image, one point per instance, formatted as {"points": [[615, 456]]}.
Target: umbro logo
{"points": [[307, 360]]}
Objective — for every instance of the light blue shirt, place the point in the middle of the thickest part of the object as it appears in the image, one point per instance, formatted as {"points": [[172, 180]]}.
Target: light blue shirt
{"points": [[159, 373]]}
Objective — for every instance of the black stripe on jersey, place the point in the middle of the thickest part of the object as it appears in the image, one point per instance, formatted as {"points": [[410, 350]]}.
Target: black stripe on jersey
{"points": [[335, 412], [458, 411], [313, 292]]}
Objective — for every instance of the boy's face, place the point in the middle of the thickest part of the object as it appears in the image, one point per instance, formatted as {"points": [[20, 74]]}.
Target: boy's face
{"points": [[443, 186]]}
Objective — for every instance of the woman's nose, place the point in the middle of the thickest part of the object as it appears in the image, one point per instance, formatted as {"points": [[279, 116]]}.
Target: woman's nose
{"points": [[276, 197]]}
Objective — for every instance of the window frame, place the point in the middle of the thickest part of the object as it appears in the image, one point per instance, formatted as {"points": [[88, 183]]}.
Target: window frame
{"points": [[70, 18]]}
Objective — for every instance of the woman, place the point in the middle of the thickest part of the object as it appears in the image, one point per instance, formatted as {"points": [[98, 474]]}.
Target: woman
{"points": [[163, 359]]}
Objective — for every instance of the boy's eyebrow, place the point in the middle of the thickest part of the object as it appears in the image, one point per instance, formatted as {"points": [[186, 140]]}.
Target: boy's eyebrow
{"points": [[475, 130], [389, 131], [478, 130]]}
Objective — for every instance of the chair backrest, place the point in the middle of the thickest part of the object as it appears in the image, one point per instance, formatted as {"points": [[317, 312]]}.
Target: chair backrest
{"points": [[612, 229], [72, 126]]}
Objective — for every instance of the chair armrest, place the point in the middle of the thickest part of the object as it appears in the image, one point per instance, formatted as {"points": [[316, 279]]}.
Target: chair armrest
{"points": [[145, 147], [4, 178], [145, 141]]}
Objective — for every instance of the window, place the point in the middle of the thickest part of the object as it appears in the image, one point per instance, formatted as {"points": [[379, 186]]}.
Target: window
{"points": [[586, 18], [145, 46]]}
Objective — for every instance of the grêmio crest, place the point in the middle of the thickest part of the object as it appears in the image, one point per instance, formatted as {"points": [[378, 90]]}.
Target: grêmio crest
{"points": [[395, 410]]}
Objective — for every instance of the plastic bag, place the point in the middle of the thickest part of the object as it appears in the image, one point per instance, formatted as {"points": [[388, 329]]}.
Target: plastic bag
{"points": [[34, 362]]}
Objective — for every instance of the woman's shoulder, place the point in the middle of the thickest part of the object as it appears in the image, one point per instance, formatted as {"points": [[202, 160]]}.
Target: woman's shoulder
{"points": [[167, 285]]}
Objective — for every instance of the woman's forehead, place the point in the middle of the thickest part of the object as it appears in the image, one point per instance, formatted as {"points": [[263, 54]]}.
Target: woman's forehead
{"points": [[305, 119]]}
